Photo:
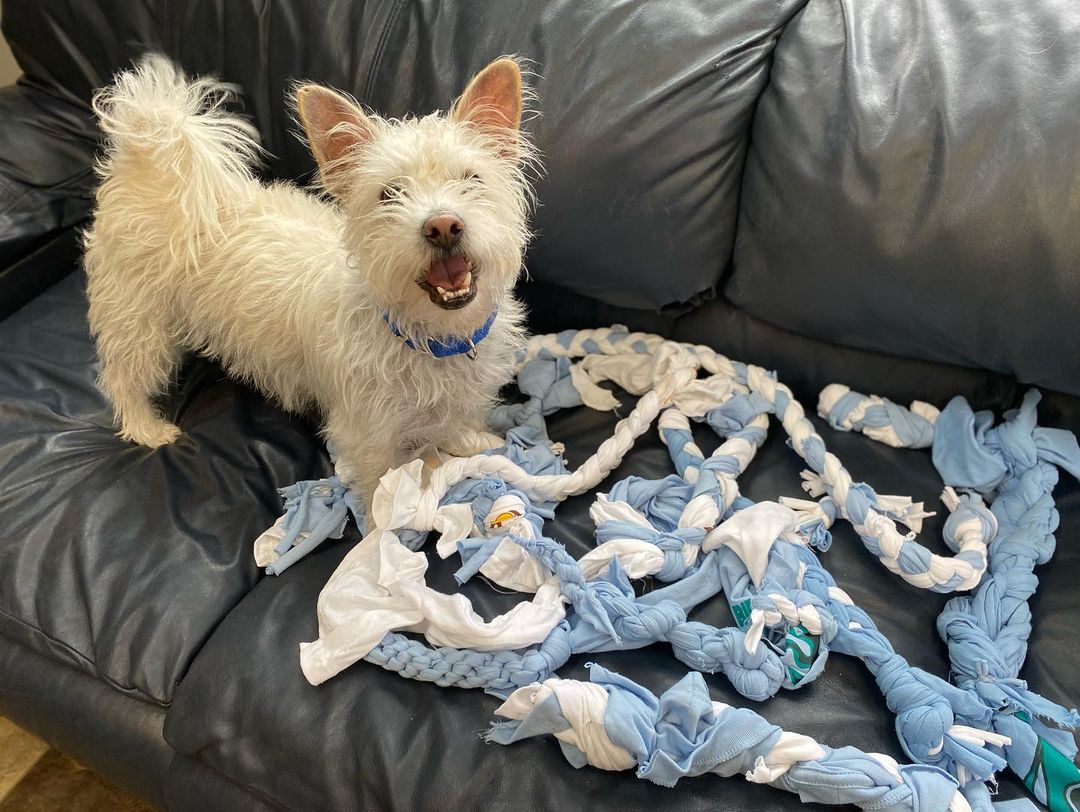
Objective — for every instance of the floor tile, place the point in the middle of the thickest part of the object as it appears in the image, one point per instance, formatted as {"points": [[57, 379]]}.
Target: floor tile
{"points": [[56, 782], [19, 752]]}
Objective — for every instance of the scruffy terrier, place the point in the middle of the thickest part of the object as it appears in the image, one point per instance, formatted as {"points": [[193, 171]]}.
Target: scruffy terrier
{"points": [[390, 308]]}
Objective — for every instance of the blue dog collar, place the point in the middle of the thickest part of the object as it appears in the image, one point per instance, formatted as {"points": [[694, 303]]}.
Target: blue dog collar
{"points": [[445, 349]]}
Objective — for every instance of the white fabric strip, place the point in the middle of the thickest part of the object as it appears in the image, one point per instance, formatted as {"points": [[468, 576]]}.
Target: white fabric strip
{"points": [[638, 558], [751, 533], [509, 566], [789, 749], [266, 544], [379, 587], [583, 704]]}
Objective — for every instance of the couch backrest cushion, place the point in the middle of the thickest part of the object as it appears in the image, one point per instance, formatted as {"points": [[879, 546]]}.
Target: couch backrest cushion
{"points": [[913, 183], [644, 109], [72, 48]]}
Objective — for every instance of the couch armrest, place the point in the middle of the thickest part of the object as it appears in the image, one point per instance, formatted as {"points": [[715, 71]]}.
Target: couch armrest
{"points": [[47, 148]]}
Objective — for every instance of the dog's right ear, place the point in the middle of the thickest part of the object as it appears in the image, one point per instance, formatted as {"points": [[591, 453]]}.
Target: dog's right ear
{"points": [[336, 127]]}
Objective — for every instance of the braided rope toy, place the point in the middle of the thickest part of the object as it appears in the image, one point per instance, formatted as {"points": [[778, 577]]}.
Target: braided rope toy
{"points": [[694, 531], [1017, 463]]}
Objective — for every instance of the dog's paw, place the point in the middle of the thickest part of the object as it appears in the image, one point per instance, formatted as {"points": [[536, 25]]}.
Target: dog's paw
{"points": [[152, 435], [488, 441], [346, 472], [470, 442]]}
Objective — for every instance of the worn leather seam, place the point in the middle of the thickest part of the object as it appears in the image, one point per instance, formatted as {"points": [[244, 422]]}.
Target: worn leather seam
{"points": [[380, 49], [134, 693]]}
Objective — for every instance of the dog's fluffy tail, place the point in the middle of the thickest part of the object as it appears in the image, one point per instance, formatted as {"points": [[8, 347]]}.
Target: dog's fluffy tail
{"points": [[172, 136]]}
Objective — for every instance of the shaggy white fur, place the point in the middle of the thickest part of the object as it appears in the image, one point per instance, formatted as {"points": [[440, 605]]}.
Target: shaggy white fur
{"points": [[189, 252]]}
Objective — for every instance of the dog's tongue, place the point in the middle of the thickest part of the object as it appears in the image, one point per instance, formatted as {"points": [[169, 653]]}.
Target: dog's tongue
{"points": [[448, 273]]}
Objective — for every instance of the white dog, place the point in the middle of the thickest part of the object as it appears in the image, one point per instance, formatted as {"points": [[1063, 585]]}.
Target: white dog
{"points": [[390, 309]]}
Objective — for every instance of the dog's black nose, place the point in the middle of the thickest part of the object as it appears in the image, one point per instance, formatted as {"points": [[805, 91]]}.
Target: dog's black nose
{"points": [[443, 230]]}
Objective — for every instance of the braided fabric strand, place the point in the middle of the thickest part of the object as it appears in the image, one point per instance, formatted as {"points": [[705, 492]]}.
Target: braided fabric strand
{"points": [[1016, 463], [696, 533]]}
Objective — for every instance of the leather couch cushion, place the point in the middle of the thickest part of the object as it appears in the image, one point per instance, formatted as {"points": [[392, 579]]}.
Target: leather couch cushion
{"points": [[70, 709], [192, 786], [912, 188], [46, 149], [115, 559], [644, 114], [69, 50], [370, 739], [808, 364], [644, 108]]}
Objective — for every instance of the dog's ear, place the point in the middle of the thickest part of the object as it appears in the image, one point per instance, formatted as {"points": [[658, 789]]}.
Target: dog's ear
{"points": [[335, 127], [492, 103]]}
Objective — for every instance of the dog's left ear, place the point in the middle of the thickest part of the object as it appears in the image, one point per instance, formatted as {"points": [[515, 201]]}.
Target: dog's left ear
{"points": [[492, 103], [336, 127]]}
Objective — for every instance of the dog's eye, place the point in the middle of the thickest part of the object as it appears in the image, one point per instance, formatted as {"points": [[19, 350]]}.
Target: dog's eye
{"points": [[471, 178], [390, 192]]}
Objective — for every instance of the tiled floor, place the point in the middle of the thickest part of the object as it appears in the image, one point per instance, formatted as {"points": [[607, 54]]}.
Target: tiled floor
{"points": [[34, 778]]}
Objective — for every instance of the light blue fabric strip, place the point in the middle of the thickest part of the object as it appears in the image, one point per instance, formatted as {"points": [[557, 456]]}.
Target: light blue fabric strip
{"points": [[680, 734]]}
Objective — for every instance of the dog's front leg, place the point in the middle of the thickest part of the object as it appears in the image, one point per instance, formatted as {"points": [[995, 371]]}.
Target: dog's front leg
{"points": [[364, 454]]}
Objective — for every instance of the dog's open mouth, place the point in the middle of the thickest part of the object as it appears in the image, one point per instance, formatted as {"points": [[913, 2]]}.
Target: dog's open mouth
{"points": [[450, 281]]}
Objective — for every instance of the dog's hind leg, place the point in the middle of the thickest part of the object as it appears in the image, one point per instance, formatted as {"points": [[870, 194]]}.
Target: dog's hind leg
{"points": [[138, 361]]}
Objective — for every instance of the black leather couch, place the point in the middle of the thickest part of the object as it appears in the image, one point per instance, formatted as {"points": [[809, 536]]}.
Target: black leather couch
{"points": [[884, 193]]}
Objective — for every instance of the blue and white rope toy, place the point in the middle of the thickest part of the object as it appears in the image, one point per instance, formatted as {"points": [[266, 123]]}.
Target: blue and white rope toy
{"points": [[695, 532], [1015, 463]]}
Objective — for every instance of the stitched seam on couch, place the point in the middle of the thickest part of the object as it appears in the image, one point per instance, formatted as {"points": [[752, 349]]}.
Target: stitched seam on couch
{"points": [[80, 658], [380, 49]]}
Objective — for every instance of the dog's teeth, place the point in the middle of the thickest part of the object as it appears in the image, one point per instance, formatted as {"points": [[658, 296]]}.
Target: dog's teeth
{"points": [[456, 293]]}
